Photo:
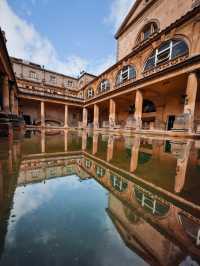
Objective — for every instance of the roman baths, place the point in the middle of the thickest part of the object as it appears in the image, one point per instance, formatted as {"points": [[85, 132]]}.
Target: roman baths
{"points": [[105, 169]]}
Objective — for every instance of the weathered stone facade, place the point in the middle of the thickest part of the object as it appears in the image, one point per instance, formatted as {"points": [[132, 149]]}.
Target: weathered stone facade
{"points": [[153, 87]]}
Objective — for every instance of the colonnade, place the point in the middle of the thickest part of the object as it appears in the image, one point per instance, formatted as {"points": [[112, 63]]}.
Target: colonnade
{"points": [[9, 101], [184, 121]]}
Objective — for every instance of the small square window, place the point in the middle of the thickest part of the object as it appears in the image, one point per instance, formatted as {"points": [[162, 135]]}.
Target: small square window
{"points": [[33, 75], [53, 79]]}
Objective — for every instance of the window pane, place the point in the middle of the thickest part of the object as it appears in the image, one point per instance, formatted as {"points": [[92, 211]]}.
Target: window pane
{"points": [[179, 49], [164, 56], [147, 32], [164, 46], [132, 73], [150, 63]]}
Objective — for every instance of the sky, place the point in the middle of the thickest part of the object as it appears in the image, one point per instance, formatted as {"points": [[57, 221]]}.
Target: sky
{"points": [[64, 36]]}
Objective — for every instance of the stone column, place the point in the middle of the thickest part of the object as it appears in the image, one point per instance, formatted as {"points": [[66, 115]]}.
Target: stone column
{"points": [[66, 140], [85, 117], [112, 114], [12, 101], [110, 148], [6, 104], [96, 116], [66, 116], [95, 143], [189, 107], [135, 154], [42, 114], [43, 146], [138, 109]]}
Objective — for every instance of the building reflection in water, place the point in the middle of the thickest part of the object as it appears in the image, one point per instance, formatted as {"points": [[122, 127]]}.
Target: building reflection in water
{"points": [[153, 200]]}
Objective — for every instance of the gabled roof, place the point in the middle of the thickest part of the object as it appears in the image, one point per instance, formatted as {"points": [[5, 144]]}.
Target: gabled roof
{"points": [[137, 8]]}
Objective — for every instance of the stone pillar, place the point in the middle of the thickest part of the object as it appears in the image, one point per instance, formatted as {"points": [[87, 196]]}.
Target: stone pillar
{"points": [[138, 109], [66, 116], [66, 140], [135, 154], [6, 104], [191, 93], [96, 116], [95, 143], [42, 114], [43, 146], [110, 148], [112, 114], [85, 117]]}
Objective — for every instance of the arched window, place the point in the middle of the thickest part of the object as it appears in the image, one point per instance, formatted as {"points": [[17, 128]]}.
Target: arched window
{"points": [[167, 51], [147, 31], [126, 73], [148, 107], [90, 92], [103, 86]]}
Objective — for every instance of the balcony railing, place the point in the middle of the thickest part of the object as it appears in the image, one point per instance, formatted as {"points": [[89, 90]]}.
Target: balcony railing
{"points": [[47, 92]]}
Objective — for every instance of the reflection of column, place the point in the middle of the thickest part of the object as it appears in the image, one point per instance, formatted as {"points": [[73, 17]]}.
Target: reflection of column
{"points": [[84, 140], [181, 168], [66, 140], [42, 114], [43, 141], [10, 154], [12, 100], [16, 109], [138, 109], [66, 116], [112, 113], [191, 92], [110, 148], [85, 117], [96, 116], [95, 144], [1, 185], [6, 105], [135, 154]]}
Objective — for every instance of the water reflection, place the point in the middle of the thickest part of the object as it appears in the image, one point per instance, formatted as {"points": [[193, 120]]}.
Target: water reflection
{"points": [[152, 201]]}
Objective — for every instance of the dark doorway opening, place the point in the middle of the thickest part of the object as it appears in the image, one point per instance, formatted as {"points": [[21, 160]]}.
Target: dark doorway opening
{"points": [[170, 123], [27, 119]]}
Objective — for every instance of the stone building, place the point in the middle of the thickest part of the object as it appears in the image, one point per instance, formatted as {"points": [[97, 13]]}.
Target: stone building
{"points": [[9, 116], [152, 88]]}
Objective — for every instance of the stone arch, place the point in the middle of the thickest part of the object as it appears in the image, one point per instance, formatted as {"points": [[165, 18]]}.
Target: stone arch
{"points": [[154, 22]]}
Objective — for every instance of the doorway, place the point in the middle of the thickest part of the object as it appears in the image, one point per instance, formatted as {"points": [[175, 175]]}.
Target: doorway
{"points": [[170, 123]]}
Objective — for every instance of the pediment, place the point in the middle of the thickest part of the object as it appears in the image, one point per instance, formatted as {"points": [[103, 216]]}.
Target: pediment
{"points": [[137, 8]]}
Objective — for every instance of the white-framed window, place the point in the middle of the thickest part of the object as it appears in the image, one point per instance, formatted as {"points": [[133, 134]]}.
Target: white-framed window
{"points": [[128, 72], [32, 75], [68, 83], [167, 51], [104, 86], [90, 92], [147, 31], [53, 79]]}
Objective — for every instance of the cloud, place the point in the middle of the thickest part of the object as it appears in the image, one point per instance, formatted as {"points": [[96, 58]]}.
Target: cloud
{"points": [[24, 41], [118, 10]]}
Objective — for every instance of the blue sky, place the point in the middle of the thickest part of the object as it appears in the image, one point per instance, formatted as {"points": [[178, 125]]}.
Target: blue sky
{"points": [[66, 36]]}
